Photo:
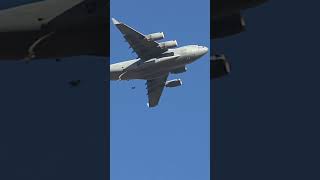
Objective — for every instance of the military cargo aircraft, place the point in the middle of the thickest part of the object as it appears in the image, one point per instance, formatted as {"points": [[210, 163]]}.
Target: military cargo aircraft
{"points": [[156, 60], [227, 20], [54, 29]]}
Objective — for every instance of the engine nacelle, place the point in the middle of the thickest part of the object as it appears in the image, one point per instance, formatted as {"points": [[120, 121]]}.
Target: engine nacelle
{"points": [[224, 7], [174, 83], [168, 44], [219, 66], [227, 26], [179, 70], [155, 36]]}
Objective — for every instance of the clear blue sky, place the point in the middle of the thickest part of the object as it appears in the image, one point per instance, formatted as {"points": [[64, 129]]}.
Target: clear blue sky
{"points": [[171, 141]]}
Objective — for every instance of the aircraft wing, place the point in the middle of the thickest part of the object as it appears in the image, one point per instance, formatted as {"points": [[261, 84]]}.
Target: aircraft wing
{"points": [[155, 88], [145, 49]]}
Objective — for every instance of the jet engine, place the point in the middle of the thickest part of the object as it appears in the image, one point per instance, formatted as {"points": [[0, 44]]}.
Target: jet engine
{"points": [[168, 44], [155, 36], [174, 83], [227, 26], [179, 70], [219, 66]]}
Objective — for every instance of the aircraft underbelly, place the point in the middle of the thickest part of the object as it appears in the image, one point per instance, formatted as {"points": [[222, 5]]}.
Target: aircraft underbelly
{"points": [[15, 46], [158, 70], [74, 44]]}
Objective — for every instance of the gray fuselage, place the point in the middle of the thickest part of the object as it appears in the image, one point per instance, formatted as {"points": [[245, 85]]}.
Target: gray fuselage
{"points": [[169, 61]]}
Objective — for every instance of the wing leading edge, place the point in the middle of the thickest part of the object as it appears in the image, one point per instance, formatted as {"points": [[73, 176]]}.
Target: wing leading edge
{"points": [[144, 48]]}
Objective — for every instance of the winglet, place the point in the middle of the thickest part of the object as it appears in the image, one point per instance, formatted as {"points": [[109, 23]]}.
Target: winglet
{"points": [[115, 22]]}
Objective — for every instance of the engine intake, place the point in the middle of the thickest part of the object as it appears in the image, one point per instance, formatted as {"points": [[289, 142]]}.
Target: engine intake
{"points": [[168, 44], [155, 36], [174, 83]]}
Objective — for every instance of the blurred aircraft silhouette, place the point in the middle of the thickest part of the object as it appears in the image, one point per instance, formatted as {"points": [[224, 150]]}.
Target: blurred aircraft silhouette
{"points": [[227, 20]]}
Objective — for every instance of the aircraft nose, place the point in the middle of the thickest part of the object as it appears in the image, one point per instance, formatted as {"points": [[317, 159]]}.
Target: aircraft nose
{"points": [[205, 50]]}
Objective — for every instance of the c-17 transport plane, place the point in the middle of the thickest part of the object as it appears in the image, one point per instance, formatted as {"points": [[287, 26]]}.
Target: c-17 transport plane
{"points": [[54, 29], [156, 60]]}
